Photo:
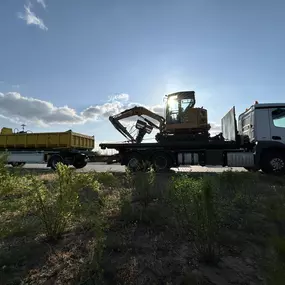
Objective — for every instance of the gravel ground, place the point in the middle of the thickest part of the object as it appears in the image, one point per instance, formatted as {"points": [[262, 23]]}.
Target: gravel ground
{"points": [[100, 167]]}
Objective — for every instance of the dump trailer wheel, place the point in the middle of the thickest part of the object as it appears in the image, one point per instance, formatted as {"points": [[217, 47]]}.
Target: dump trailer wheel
{"points": [[161, 162], [18, 164], [54, 160], [273, 162], [79, 164]]}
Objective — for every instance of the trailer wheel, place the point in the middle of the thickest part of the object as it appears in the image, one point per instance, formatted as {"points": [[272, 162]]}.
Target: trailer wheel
{"points": [[273, 163], [18, 164], [161, 162], [54, 160], [79, 164]]}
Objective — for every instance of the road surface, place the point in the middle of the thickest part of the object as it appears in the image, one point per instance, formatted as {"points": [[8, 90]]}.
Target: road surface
{"points": [[100, 167]]}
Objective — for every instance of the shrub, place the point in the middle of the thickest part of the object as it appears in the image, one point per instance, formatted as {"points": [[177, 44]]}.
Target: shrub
{"points": [[275, 265], [193, 203], [58, 203], [14, 208], [141, 193], [7, 183], [125, 204], [106, 179]]}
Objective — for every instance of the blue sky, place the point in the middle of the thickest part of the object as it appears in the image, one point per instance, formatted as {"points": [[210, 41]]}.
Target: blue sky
{"points": [[68, 61]]}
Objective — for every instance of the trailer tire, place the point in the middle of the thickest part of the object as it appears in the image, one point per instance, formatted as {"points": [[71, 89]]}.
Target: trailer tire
{"points": [[54, 160], [18, 164], [161, 162], [273, 162], [79, 164]]}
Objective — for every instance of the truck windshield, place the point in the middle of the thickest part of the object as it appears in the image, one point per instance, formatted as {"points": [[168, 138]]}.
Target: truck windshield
{"points": [[278, 117]]}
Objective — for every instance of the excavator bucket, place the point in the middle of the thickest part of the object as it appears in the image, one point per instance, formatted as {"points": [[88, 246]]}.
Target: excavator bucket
{"points": [[143, 125]]}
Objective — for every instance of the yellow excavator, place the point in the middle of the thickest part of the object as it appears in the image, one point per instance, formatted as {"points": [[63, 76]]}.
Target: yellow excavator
{"points": [[182, 120]]}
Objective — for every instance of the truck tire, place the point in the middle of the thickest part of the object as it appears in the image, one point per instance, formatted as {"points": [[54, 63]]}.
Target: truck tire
{"points": [[273, 162], [161, 162], [134, 162], [54, 160]]}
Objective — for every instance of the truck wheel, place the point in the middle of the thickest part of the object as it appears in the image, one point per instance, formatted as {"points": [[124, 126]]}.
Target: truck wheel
{"points": [[54, 160], [161, 161], [134, 162], [273, 163]]}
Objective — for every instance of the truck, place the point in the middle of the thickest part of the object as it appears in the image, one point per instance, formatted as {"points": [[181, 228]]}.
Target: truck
{"points": [[70, 148], [255, 141]]}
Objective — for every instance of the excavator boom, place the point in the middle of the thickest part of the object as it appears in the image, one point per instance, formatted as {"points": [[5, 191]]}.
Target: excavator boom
{"points": [[143, 126], [139, 111]]}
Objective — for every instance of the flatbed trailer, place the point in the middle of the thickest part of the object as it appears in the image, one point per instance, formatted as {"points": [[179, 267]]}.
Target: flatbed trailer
{"points": [[165, 156], [256, 142]]}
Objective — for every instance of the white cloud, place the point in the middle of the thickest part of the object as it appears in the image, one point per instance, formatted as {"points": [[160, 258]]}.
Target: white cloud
{"points": [[43, 3], [31, 18], [158, 109], [16, 108], [19, 109], [121, 97], [105, 110], [215, 128]]}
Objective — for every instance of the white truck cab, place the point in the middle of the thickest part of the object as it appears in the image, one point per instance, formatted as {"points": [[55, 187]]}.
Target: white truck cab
{"points": [[264, 122], [264, 126]]}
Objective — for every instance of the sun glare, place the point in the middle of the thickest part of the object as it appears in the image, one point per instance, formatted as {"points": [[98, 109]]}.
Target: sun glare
{"points": [[172, 102]]}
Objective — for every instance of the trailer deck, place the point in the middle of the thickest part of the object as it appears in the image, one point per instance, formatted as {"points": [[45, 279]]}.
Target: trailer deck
{"points": [[212, 144]]}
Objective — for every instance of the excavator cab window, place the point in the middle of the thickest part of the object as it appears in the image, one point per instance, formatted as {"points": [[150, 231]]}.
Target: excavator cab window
{"points": [[176, 107], [172, 110], [186, 104]]}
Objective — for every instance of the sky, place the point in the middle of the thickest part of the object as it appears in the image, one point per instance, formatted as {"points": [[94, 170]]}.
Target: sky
{"points": [[69, 64]]}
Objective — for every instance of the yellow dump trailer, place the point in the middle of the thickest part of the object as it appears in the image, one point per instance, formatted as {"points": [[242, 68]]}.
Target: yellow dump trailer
{"points": [[69, 148], [60, 140]]}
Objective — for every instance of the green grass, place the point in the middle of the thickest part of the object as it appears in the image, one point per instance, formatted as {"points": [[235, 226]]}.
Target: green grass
{"points": [[146, 228]]}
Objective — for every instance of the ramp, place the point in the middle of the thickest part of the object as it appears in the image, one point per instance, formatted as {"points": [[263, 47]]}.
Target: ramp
{"points": [[229, 125]]}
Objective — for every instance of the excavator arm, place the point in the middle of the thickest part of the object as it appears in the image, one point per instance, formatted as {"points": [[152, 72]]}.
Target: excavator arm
{"points": [[144, 126]]}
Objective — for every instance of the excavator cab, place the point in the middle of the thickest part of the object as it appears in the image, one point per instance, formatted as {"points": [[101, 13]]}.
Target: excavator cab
{"points": [[182, 117]]}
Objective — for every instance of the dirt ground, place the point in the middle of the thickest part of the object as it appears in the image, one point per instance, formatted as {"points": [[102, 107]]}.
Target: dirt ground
{"points": [[145, 242]]}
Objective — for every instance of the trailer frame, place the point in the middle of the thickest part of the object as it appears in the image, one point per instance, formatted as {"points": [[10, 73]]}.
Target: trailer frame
{"points": [[76, 157]]}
